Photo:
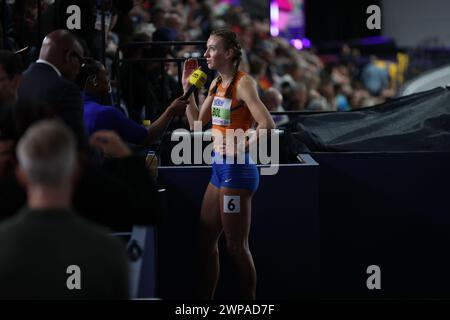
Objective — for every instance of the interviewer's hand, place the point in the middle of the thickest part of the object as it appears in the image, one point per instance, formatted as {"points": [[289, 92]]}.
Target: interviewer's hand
{"points": [[110, 142], [178, 106]]}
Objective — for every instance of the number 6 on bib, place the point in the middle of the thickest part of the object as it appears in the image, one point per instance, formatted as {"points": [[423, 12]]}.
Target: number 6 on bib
{"points": [[231, 204]]}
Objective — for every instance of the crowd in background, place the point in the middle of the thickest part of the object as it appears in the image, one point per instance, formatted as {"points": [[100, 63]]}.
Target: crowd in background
{"points": [[300, 80]]}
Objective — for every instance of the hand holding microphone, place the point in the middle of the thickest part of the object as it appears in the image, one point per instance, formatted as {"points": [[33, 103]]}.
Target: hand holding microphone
{"points": [[196, 80], [189, 66]]}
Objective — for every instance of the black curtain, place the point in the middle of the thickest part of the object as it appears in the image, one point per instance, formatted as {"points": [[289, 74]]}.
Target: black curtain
{"points": [[338, 20], [418, 122]]}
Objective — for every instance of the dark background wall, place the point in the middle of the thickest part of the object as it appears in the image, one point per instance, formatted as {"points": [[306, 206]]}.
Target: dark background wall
{"points": [[257, 8], [317, 227], [337, 20], [415, 22]]}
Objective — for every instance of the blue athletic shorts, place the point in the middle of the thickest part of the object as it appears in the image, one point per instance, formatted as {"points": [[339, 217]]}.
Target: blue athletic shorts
{"points": [[234, 175]]}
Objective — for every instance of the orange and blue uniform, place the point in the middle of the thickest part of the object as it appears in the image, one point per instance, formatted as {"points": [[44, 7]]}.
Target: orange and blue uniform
{"points": [[229, 113]]}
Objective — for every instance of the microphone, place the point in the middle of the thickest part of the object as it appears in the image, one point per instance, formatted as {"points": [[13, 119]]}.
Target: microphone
{"points": [[196, 80]]}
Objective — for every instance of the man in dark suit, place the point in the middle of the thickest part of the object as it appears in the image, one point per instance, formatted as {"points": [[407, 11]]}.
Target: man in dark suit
{"points": [[50, 80], [46, 250]]}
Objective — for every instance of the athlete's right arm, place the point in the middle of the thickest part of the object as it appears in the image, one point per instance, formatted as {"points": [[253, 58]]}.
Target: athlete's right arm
{"points": [[192, 112]]}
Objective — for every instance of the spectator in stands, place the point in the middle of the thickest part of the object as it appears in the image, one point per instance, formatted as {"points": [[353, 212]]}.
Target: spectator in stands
{"points": [[374, 78], [25, 21], [327, 90], [55, 17], [357, 98], [267, 53], [258, 70], [49, 80], [273, 100], [10, 76], [296, 71], [93, 80], [46, 250], [343, 94], [298, 97], [7, 32], [158, 17], [139, 12], [133, 78], [145, 93], [124, 24]]}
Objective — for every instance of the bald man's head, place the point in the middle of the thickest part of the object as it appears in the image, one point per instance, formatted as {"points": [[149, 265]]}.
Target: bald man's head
{"points": [[62, 49]]}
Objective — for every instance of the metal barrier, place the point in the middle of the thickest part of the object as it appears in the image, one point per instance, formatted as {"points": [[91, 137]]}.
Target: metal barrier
{"points": [[118, 63], [142, 253], [142, 258]]}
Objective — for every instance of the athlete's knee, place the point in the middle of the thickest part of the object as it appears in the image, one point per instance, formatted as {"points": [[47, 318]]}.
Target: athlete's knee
{"points": [[237, 247], [210, 248]]}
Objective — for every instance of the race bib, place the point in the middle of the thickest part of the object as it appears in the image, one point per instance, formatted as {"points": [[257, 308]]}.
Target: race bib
{"points": [[221, 111]]}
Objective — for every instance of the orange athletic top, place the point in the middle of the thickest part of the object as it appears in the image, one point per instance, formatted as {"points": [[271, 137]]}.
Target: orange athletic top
{"points": [[230, 113]]}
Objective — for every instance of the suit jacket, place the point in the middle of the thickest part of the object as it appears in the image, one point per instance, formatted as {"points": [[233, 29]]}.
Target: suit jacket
{"points": [[41, 84], [38, 248]]}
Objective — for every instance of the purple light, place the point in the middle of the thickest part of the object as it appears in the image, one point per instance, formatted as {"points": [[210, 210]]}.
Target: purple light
{"points": [[274, 18], [306, 43], [374, 40], [297, 43]]}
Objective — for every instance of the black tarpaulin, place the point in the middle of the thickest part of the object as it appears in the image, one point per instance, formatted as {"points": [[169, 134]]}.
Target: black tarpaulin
{"points": [[419, 122]]}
